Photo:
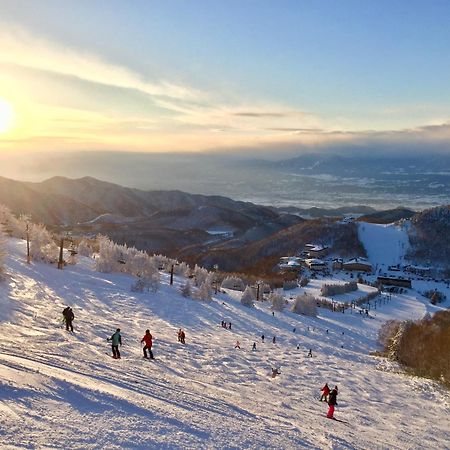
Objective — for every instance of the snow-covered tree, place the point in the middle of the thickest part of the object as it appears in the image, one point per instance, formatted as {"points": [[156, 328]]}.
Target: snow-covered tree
{"points": [[248, 297], [153, 282], [180, 268], [235, 283], [290, 284], [108, 256], [11, 225], [200, 275], [84, 248], [329, 290], [2, 255], [278, 301], [186, 289], [138, 285], [204, 292], [304, 281], [42, 246], [305, 304]]}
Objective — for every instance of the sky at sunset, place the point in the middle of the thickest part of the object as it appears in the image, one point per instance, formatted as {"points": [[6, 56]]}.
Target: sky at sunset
{"points": [[198, 75]]}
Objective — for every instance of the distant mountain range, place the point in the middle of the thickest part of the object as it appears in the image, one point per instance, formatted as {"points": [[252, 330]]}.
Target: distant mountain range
{"points": [[160, 221], [208, 229], [324, 179]]}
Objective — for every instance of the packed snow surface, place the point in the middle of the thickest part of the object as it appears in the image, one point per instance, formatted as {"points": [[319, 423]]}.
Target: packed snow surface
{"points": [[63, 390]]}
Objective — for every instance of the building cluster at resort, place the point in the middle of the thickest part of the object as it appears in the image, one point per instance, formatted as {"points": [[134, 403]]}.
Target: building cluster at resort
{"points": [[314, 258]]}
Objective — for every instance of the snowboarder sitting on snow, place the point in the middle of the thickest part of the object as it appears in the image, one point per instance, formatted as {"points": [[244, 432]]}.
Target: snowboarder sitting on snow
{"points": [[68, 317], [148, 339], [116, 340], [332, 402], [325, 392]]}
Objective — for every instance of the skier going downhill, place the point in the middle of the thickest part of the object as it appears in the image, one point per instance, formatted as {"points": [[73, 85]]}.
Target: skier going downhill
{"points": [[148, 340], [332, 402], [68, 318], [116, 340]]}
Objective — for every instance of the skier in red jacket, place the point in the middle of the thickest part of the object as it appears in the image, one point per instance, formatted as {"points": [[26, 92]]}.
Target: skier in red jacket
{"points": [[325, 392], [148, 339]]}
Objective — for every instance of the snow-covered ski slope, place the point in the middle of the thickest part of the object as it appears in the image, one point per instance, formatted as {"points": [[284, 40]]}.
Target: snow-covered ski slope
{"points": [[385, 244], [61, 390]]}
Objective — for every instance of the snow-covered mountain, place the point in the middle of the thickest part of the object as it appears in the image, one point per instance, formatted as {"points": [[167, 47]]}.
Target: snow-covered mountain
{"points": [[62, 390]]}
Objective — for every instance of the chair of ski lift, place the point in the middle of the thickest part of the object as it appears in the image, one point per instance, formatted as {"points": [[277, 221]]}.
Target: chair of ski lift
{"points": [[121, 260]]}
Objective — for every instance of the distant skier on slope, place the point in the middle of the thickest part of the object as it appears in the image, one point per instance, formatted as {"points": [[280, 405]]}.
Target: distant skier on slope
{"points": [[332, 402], [262, 339], [254, 346], [116, 340], [325, 392], [275, 372], [238, 345], [148, 340], [274, 340], [68, 317], [310, 353], [182, 337]]}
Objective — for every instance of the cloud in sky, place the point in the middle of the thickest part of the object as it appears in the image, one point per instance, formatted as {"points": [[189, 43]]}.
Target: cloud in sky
{"points": [[66, 98]]}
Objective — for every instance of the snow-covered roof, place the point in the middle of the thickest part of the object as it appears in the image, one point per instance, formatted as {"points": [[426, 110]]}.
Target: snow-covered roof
{"points": [[314, 261], [358, 260], [315, 247]]}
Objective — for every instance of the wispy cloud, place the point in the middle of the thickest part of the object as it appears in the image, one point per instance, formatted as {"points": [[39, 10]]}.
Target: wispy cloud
{"points": [[90, 102], [19, 47]]}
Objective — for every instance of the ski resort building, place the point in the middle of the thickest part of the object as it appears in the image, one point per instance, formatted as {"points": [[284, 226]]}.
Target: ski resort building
{"points": [[357, 264], [290, 263], [316, 251], [315, 264], [395, 281], [422, 271]]}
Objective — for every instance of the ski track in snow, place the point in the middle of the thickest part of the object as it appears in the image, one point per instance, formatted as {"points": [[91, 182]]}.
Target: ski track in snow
{"points": [[60, 390]]}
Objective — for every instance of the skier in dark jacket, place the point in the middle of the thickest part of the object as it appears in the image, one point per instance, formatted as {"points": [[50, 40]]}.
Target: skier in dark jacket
{"points": [[148, 339], [332, 402], [116, 340], [68, 318]]}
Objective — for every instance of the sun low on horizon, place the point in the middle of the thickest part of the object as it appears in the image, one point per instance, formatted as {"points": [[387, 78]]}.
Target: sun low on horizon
{"points": [[6, 115]]}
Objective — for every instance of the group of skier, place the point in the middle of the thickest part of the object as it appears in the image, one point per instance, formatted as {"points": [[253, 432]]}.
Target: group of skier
{"points": [[116, 337], [329, 396]]}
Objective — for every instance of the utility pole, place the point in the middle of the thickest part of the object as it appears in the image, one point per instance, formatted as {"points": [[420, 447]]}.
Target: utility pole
{"points": [[216, 281], [257, 292], [28, 246], [61, 260], [171, 274]]}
